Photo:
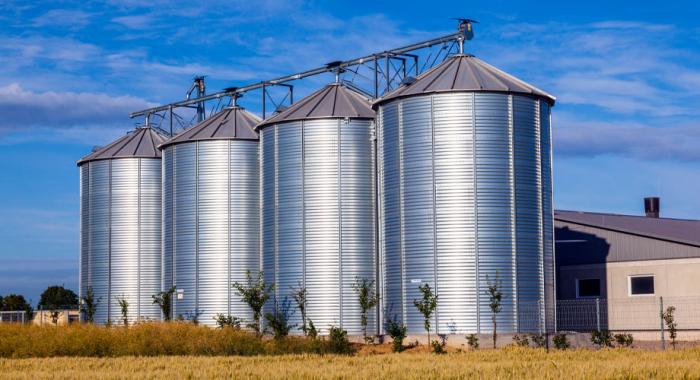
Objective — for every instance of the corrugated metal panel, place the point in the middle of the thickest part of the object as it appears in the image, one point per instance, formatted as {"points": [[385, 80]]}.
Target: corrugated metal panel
{"points": [[453, 127], [495, 205], [547, 222], [528, 212], [319, 237], [390, 201], [121, 214], [357, 230], [460, 194], [214, 225]]}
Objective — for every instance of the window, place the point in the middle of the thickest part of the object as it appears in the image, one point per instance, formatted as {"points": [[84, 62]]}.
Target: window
{"points": [[641, 285], [588, 288]]}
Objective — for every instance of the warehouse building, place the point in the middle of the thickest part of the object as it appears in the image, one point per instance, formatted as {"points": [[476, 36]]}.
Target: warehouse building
{"points": [[628, 267]]}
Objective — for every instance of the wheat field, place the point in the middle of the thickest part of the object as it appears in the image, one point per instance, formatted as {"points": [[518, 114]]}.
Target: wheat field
{"points": [[510, 363]]}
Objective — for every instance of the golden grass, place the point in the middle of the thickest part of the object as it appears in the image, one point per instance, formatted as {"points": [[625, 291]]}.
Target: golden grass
{"points": [[506, 363], [147, 339]]}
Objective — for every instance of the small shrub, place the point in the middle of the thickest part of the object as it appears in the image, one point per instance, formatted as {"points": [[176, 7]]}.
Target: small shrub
{"points": [[439, 345], [624, 340], [426, 305], [521, 341], [397, 331], [368, 299], [473, 341], [311, 331], [223, 321], [164, 300], [278, 321], [495, 294], [338, 341], [89, 304], [538, 340], [124, 306], [255, 294], [602, 338], [561, 342]]}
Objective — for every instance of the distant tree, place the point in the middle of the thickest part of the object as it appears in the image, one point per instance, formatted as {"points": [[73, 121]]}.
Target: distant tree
{"points": [[164, 300], [58, 297], [16, 302], [1, 303], [493, 290], [124, 306], [300, 298], [368, 299], [255, 294], [671, 324], [89, 304], [426, 306]]}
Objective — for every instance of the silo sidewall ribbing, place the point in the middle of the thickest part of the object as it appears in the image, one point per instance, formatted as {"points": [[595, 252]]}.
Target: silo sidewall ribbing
{"points": [[211, 220], [465, 193], [318, 217], [120, 236]]}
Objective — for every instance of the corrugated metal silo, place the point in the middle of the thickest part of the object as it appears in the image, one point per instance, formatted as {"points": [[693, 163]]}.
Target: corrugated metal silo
{"points": [[318, 204], [120, 226], [465, 193], [211, 214]]}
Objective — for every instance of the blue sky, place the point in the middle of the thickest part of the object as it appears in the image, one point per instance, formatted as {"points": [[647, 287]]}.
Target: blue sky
{"points": [[626, 125]]}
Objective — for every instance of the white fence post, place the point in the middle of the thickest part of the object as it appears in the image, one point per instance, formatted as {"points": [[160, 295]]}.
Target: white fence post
{"points": [[661, 321]]}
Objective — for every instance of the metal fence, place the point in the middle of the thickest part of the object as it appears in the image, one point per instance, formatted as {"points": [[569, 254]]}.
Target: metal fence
{"points": [[629, 314], [13, 317]]}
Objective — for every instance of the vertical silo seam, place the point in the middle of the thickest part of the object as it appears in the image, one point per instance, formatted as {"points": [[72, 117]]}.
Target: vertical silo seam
{"points": [[173, 260], [303, 205], [340, 216], [109, 247], [377, 244], [401, 212], [138, 244], [541, 293], [196, 229], [476, 217], [276, 197], [228, 227], [434, 208], [513, 215]]}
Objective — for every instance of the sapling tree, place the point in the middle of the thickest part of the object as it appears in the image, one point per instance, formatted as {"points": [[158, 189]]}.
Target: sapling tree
{"points": [[493, 290], [124, 307], [89, 304], [368, 299], [300, 298], [255, 294], [671, 324], [164, 300], [426, 305]]}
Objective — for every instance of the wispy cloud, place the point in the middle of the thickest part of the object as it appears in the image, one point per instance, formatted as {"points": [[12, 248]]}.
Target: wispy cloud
{"points": [[68, 18], [24, 109]]}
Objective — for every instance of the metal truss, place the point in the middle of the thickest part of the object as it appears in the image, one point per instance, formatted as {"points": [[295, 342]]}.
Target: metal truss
{"points": [[374, 75]]}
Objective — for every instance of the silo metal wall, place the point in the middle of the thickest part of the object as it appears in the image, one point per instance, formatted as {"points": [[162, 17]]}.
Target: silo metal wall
{"points": [[318, 216], [461, 198], [121, 236], [211, 219]]}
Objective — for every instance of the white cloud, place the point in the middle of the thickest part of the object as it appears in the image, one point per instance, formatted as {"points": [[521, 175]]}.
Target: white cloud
{"points": [[70, 18]]}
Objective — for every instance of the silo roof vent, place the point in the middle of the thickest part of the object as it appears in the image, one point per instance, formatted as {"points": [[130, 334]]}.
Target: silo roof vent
{"points": [[464, 72], [231, 123], [141, 142]]}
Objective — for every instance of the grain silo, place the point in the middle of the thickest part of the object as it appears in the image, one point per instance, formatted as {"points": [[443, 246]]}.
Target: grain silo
{"points": [[465, 194], [317, 189], [120, 225], [211, 214]]}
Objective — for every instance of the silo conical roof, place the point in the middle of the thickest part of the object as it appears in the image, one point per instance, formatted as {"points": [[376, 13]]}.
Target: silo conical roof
{"points": [[335, 100], [141, 142], [465, 72], [231, 123]]}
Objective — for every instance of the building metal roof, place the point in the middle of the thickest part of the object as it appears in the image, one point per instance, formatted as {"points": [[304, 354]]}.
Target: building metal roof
{"points": [[335, 100], [464, 72], [683, 231], [141, 142], [231, 123]]}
